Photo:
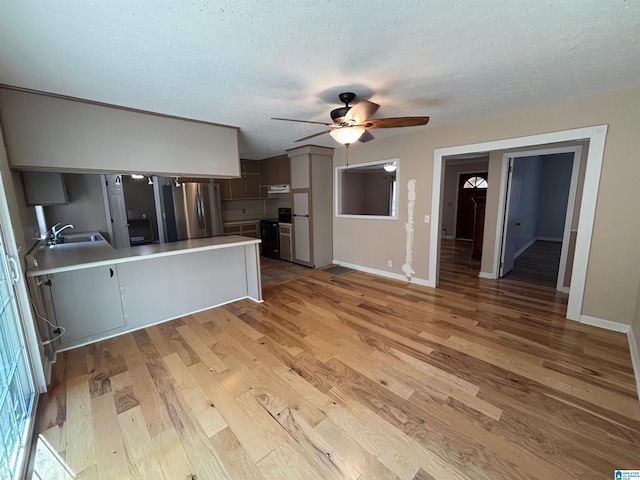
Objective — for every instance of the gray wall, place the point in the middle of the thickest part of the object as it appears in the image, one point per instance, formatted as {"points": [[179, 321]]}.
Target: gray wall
{"points": [[525, 184], [86, 209], [555, 180], [543, 185]]}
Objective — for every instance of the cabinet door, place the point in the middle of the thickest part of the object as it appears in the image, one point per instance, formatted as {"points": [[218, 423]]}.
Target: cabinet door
{"points": [[238, 189], [250, 166], [284, 170], [286, 250], [44, 188], [86, 302], [225, 189], [301, 229], [272, 171], [252, 185], [300, 172]]}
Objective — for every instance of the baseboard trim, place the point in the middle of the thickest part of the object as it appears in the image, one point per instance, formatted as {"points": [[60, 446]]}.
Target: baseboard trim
{"points": [[382, 273], [524, 247], [487, 275], [565, 289], [606, 324], [550, 239], [635, 357]]}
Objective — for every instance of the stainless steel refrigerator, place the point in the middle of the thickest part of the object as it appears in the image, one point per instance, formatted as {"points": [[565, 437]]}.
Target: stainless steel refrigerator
{"points": [[192, 210]]}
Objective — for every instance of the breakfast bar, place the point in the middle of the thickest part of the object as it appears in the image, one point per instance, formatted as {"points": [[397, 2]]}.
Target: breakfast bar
{"points": [[95, 291]]}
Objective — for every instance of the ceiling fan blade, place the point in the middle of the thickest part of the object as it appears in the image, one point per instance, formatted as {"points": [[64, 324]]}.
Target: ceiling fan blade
{"points": [[366, 137], [361, 111], [314, 135], [395, 122], [301, 121]]}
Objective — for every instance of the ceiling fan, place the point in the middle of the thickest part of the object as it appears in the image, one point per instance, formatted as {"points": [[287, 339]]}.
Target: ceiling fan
{"points": [[351, 124]]}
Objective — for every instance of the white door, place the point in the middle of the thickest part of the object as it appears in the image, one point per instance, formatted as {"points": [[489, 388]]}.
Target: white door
{"points": [[17, 389], [301, 228], [117, 212], [511, 224]]}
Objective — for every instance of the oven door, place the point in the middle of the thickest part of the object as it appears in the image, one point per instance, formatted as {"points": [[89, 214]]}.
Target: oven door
{"points": [[270, 240]]}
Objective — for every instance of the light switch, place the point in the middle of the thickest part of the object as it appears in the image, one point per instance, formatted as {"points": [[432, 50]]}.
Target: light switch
{"points": [[426, 218]]}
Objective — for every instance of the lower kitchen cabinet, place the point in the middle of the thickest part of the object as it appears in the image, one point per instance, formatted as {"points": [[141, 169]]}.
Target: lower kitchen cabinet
{"points": [[244, 229], [86, 302], [286, 244]]}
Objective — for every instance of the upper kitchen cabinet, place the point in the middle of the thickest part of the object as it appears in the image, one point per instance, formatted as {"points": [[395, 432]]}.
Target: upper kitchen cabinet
{"points": [[44, 188], [275, 170], [51, 133], [245, 187]]}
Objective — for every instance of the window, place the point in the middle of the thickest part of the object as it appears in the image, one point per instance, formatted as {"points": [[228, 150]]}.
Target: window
{"points": [[475, 182], [368, 190]]}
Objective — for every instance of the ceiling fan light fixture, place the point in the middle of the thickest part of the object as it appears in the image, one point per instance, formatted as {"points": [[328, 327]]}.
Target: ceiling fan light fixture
{"points": [[390, 167], [347, 135]]}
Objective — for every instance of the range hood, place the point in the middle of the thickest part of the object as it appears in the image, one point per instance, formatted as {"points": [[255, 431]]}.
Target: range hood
{"points": [[279, 189]]}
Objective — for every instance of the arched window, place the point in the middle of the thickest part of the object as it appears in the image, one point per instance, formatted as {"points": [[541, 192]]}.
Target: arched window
{"points": [[475, 182]]}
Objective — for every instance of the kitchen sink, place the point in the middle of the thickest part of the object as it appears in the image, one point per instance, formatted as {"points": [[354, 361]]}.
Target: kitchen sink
{"points": [[80, 239]]}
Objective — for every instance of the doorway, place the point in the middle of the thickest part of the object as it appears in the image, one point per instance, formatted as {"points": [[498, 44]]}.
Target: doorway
{"points": [[538, 217], [596, 137], [471, 186]]}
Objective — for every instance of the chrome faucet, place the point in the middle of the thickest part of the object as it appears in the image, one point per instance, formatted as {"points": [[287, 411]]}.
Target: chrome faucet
{"points": [[55, 233]]}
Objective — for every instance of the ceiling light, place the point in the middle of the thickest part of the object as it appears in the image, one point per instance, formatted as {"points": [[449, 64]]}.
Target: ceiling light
{"points": [[149, 180], [347, 135], [178, 184], [390, 167], [137, 176]]}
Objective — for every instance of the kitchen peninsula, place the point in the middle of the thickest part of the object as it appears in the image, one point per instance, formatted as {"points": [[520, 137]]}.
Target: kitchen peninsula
{"points": [[95, 291]]}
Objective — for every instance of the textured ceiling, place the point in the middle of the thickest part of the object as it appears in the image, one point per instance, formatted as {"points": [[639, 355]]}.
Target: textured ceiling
{"points": [[241, 62]]}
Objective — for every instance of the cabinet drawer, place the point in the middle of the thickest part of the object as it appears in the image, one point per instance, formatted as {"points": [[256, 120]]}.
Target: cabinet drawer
{"points": [[285, 230], [250, 230], [232, 230]]}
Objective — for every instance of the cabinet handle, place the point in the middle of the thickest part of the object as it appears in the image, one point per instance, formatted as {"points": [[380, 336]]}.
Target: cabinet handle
{"points": [[111, 273], [296, 215]]}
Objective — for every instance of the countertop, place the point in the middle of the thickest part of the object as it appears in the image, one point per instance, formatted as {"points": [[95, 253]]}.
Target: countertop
{"points": [[242, 222], [76, 256]]}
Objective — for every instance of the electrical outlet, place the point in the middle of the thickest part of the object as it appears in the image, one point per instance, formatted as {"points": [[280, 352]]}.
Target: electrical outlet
{"points": [[57, 331], [243, 210], [389, 263]]}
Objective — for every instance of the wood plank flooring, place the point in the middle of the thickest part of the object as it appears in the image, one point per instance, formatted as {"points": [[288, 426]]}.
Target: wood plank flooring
{"points": [[538, 264], [351, 377]]}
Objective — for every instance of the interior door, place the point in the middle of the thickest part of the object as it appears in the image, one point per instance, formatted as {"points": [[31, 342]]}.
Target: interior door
{"points": [[466, 205], [301, 229], [117, 212], [509, 236]]}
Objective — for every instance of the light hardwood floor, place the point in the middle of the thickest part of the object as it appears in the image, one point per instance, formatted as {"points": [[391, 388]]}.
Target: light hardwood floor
{"points": [[352, 377]]}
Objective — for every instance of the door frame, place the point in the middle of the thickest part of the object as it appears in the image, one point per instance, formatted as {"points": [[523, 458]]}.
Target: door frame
{"points": [[568, 219], [596, 136], [455, 212]]}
